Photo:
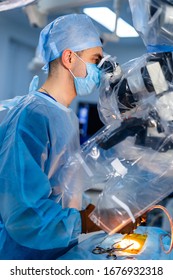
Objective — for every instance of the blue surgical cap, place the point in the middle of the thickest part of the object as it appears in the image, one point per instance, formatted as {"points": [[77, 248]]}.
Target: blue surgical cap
{"points": [[74, 31]]}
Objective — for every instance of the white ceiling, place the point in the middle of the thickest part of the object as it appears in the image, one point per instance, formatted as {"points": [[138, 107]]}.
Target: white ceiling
{"points": [[19, 16]]}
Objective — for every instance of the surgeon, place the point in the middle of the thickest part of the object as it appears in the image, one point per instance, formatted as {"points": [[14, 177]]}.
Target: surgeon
{"points": [[37, 137]]}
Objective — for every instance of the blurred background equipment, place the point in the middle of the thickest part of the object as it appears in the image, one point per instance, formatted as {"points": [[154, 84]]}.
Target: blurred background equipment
{"points": [[12, 4], [35, 17], [89, 121]]}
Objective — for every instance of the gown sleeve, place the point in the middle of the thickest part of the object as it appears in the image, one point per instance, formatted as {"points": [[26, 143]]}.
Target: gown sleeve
{"points": [[31, 218]]}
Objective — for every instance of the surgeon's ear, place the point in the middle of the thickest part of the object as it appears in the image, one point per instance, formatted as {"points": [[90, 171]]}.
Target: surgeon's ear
{"points": [[67, 58]]}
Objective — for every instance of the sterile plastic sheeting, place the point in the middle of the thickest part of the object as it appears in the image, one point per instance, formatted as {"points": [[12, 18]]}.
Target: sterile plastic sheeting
{"points": [[141, 143], [82, 171], [133, 177], [152, 249], [145, 85], [37, 136], [111, 74], [148, 181], [153, 21], [130, 159], [111, 97], [12, 4]]}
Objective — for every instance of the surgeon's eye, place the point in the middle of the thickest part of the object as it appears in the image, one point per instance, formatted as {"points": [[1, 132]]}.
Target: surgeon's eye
{"points": [[97, 61]]}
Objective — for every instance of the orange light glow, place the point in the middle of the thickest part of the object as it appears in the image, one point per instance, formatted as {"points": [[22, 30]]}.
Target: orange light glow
{"points": [[134, 241]]}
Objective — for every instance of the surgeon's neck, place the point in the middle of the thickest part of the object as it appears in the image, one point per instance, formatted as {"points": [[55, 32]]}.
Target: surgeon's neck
{"points": [[60, 88]]}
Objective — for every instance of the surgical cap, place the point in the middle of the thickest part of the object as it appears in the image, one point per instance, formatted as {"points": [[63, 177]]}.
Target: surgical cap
{"points": [[74, 31]]}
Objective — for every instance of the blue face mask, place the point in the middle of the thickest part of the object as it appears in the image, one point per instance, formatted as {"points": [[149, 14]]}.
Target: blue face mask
{"points": [[86, 85]]}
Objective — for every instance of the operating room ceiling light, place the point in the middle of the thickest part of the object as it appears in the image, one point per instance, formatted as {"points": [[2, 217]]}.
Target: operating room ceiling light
{"points": [[12, 4], [107, 18]]}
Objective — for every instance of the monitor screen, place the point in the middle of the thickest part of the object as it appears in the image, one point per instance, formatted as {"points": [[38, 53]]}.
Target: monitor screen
{"points": [[89, 121]]}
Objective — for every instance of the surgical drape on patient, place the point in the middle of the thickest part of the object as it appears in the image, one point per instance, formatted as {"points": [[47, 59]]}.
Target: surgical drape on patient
{"points": [[151, 250]]}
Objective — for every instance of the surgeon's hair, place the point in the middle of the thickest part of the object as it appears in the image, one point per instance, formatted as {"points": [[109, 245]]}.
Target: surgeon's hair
{"points": [[53, 67], [54, 63]]}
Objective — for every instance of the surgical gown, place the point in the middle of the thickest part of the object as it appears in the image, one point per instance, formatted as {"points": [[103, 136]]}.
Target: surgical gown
{"points": [[36, 138]]}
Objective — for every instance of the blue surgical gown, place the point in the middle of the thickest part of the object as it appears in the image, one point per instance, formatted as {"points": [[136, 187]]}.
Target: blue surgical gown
{"points": [[36, 138]]}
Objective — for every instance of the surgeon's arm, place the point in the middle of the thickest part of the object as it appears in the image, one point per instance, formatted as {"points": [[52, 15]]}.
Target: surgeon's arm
{"points": [[31, 218]]}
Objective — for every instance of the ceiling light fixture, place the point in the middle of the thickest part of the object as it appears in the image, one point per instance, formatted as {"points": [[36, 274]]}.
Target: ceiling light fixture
{"points": [[107, 18]]}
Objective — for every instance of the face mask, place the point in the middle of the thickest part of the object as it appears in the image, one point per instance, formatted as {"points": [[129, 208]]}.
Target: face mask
{"points": [[86, 85]]}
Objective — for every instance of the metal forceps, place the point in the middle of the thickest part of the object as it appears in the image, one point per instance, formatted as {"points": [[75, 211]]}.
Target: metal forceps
{"points": [[110, 251]]}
